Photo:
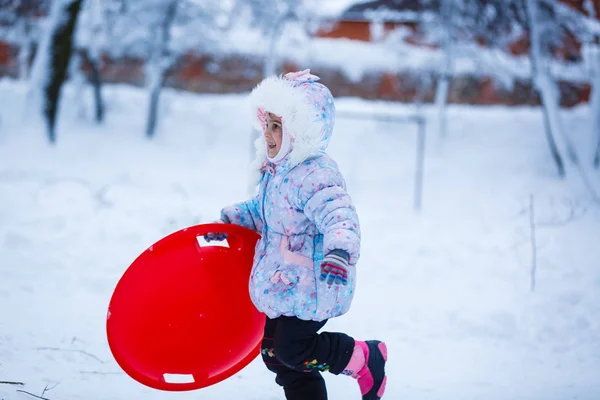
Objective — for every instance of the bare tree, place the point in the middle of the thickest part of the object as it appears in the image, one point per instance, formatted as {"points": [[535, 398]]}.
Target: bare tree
{"points": [[447, 10], [94, 55], [159, 32], [594, 12], [597, 156], [158, 64], [549, 24], [52, 60], [272, 17], [26, 45], [457, 27], [545, 86], [20, 25]]}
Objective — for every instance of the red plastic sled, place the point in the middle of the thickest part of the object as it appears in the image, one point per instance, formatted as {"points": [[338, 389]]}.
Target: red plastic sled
{"points": [[181, 318]]}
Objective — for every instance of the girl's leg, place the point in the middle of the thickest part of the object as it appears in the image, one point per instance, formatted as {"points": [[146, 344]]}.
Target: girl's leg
{"points": [[297, 385], [299, 347]]}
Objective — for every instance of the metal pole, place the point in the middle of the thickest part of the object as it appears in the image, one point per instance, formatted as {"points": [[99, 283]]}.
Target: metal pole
{"points": [[419, 171]]}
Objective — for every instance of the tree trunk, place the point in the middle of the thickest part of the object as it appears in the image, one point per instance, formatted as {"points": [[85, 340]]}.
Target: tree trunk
{"points": [[95, 61], [551, 143], [443, 83], [597, 157], [78, 82], [158, 66], [540, 80], [61, 50], [52, 60], [97, 84], [595, 104], [441, 101], [550, 95], [596, 114], [25, 50], [155, 88]]}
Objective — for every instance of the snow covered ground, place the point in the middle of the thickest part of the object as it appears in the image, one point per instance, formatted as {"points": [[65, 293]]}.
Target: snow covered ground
{"points": [[447, 288]]}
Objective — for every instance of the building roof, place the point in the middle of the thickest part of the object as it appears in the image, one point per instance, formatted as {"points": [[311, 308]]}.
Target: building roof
{"points": [[387, 10]]}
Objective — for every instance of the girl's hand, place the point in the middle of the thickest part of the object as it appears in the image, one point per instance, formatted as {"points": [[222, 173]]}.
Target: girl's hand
{"points": [[334, 267], [218, 236]]}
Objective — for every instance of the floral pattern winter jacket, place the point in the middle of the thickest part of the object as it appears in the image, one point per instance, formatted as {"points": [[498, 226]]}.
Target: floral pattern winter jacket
{"points": [[302, 213]]}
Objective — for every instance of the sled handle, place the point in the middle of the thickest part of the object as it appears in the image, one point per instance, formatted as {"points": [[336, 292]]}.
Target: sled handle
{"points": [[238, 238]]}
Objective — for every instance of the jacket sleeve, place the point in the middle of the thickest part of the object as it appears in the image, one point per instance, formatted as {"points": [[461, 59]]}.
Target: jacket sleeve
{"points": [[245, 214], [324, 200]]}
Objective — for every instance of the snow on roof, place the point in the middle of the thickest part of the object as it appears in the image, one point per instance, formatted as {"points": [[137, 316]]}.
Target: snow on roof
{"points": [[385, 10], [335, 8], [358, 58]]}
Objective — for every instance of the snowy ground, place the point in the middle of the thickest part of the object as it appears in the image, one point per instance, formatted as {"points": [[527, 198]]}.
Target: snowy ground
{"points": [[448, 289]]}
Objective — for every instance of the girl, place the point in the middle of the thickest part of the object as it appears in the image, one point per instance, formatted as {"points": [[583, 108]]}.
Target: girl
{"points": [[304, 266]]}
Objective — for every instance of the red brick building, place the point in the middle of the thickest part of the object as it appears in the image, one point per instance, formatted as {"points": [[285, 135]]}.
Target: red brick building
{"points": [[238, 73], [356, 23]]}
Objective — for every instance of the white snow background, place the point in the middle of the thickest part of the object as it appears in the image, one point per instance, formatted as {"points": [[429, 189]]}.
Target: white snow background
{"points": [[447, 288]]}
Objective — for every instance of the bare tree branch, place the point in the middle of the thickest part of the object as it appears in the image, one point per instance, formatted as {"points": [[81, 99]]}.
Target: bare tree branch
{"points": [[587, 22], [72, 350], [12, 383], [31, 394], [533, 242], [47, 388], [575, 211], [99, 373]]}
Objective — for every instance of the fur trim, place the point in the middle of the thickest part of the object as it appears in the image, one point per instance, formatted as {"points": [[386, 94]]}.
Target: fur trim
{"points": [[261, 155], [285, 99]]}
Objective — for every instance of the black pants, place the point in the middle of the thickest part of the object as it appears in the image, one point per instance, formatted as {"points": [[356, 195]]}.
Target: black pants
{"points": [[292, 349]]}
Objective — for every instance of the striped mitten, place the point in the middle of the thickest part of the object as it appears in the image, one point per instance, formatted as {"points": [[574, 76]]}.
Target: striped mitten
{"points": [[334, 267]]}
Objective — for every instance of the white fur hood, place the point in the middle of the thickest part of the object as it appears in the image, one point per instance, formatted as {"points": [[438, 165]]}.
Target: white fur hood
{"points": [[306, 109]]}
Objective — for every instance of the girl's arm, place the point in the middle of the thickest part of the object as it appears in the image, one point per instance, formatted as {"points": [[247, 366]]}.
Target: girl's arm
{"points": [[245, 214], [326, 203]]}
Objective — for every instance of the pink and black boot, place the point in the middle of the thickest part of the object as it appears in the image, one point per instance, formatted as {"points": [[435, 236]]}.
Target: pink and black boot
{"points": [[367, 365]]}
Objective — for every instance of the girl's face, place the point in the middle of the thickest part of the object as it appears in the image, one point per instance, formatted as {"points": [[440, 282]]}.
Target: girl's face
{"points": [[273, 134]]}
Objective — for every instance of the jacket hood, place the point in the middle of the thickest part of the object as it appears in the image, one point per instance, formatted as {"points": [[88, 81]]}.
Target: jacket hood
{"points": [[307, 113]]}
